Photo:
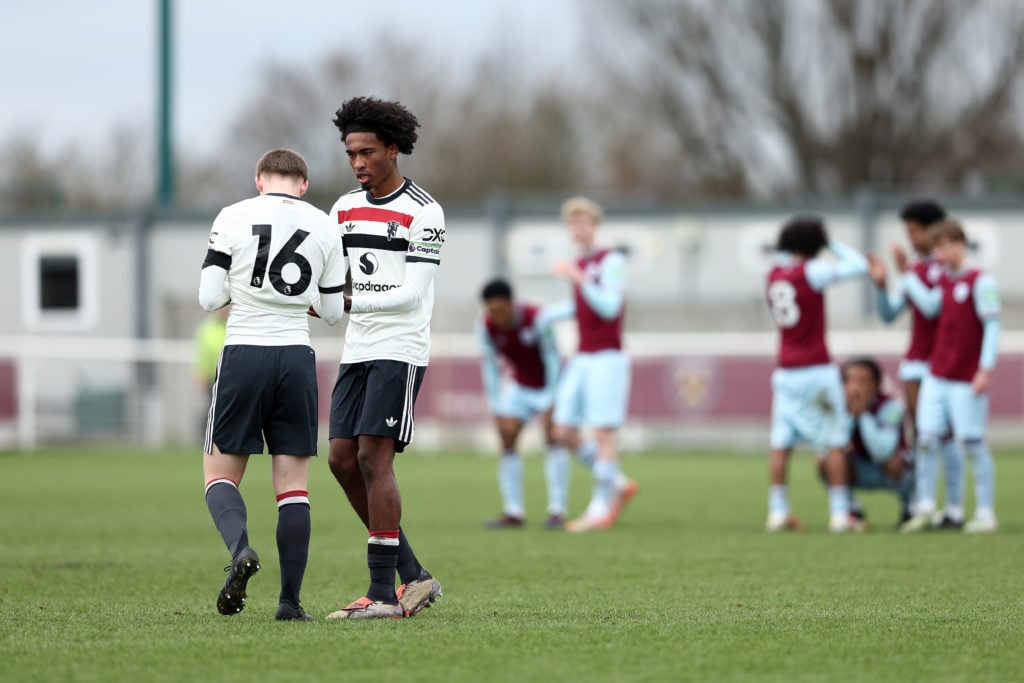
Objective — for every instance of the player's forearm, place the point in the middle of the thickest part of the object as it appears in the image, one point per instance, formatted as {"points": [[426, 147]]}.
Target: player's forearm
{"points": [[890, 304], [331, 306], [405, 297], [989, 344], [213, 292], [552, 367], [604, 301], [879, 440], [490, 374], [552, 314], [851, 262], [928, 300]]}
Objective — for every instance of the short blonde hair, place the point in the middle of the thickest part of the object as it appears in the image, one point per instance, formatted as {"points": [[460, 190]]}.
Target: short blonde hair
{"points": [[581, 206]]}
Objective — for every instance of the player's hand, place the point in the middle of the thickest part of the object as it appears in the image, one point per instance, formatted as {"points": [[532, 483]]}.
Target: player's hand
{"points": [[899, 257], [894, 466], [876, 270], [348, 303], [856, 406], [980, 382], [312, 312], [569, 271]]}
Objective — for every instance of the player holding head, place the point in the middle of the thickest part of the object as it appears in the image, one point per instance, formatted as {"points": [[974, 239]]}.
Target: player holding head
{"points": [[272, 257], [877, 455], [918, 218], [807, 393], [594, 391], [392, 232], [520, 335], [954, 391]]}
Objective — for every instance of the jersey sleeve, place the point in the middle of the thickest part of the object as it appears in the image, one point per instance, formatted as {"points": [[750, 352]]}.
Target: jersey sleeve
{"points": [[988, 308], [890, 304], [881, 433], [214, 291], [331, 304], [427, 236], [607, 295], [927, 299], [849, 263]]}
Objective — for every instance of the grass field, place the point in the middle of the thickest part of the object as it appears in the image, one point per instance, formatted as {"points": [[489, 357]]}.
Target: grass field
{"points": [[110, 566]]}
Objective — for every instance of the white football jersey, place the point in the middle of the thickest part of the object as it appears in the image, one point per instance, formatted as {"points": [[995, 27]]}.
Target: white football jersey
{"points": [[380, 236], [279, 253]]}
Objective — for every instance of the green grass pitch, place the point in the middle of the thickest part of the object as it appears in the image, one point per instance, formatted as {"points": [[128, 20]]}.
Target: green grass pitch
{"points": [[110, 565]]}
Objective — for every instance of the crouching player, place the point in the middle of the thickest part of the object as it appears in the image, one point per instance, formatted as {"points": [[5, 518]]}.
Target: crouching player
{"points": [[518, 333], [877, 457]]}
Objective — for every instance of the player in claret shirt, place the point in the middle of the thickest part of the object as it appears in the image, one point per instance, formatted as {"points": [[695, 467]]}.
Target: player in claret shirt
{"points": [[807, 392], [594, 390], [877, 455], [954, 392], [518, 334], [918, 218], [393, 233]]}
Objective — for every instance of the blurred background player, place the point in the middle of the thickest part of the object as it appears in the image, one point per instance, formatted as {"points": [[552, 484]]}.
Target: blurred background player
{"points": [[918, 217], [394, 231], [877, 455], [273, 257], [807, 393], [207, 342], [954, 392], [594, 390], [519, 334]]}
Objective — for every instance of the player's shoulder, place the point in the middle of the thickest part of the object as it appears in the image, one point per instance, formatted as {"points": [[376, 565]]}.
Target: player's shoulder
{"points": [[348, 199], [890, 409], [418, 194], [420, 203], [238, 215]]}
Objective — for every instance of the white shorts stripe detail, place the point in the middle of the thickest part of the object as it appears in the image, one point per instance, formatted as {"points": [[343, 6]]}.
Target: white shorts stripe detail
{"points": [[291, 500], [222, 480], [405, 433], [208, 437]]}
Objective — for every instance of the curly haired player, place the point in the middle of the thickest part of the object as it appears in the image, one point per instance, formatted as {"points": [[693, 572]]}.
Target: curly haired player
{"points": [[393, 233]]}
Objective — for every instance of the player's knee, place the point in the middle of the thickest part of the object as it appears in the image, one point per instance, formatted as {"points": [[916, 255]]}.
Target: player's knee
{"points": [[973, 447], [342, 464], [927, 441], [373, 464]]}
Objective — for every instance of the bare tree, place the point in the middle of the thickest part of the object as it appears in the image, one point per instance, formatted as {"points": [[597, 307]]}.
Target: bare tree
{"points": [[790, 97]]}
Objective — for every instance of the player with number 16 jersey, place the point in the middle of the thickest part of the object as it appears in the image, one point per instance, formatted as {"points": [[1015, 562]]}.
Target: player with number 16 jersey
{"points": [[273, 257], [807, 392]]}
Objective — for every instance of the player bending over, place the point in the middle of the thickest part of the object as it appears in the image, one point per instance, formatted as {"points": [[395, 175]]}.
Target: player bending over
{"points": [[271, 257], [393, 232], [807, 392], [954, 392], [918, 218], [521, 336], [877, 457], [594, 390]]}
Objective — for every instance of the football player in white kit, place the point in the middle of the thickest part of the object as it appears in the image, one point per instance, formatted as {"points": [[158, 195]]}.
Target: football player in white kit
{"points": [[272, 257], [393, 233]]}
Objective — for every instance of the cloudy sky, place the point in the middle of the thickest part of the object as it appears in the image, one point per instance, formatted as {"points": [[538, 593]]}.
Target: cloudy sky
{"points": [[72, 69]]}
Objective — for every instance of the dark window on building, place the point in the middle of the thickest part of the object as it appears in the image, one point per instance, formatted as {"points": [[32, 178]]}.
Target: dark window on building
{"points": [[58, 283]]}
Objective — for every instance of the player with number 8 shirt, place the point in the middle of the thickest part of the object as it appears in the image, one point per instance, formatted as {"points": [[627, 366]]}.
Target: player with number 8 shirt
{"points": [[807, 392]]}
